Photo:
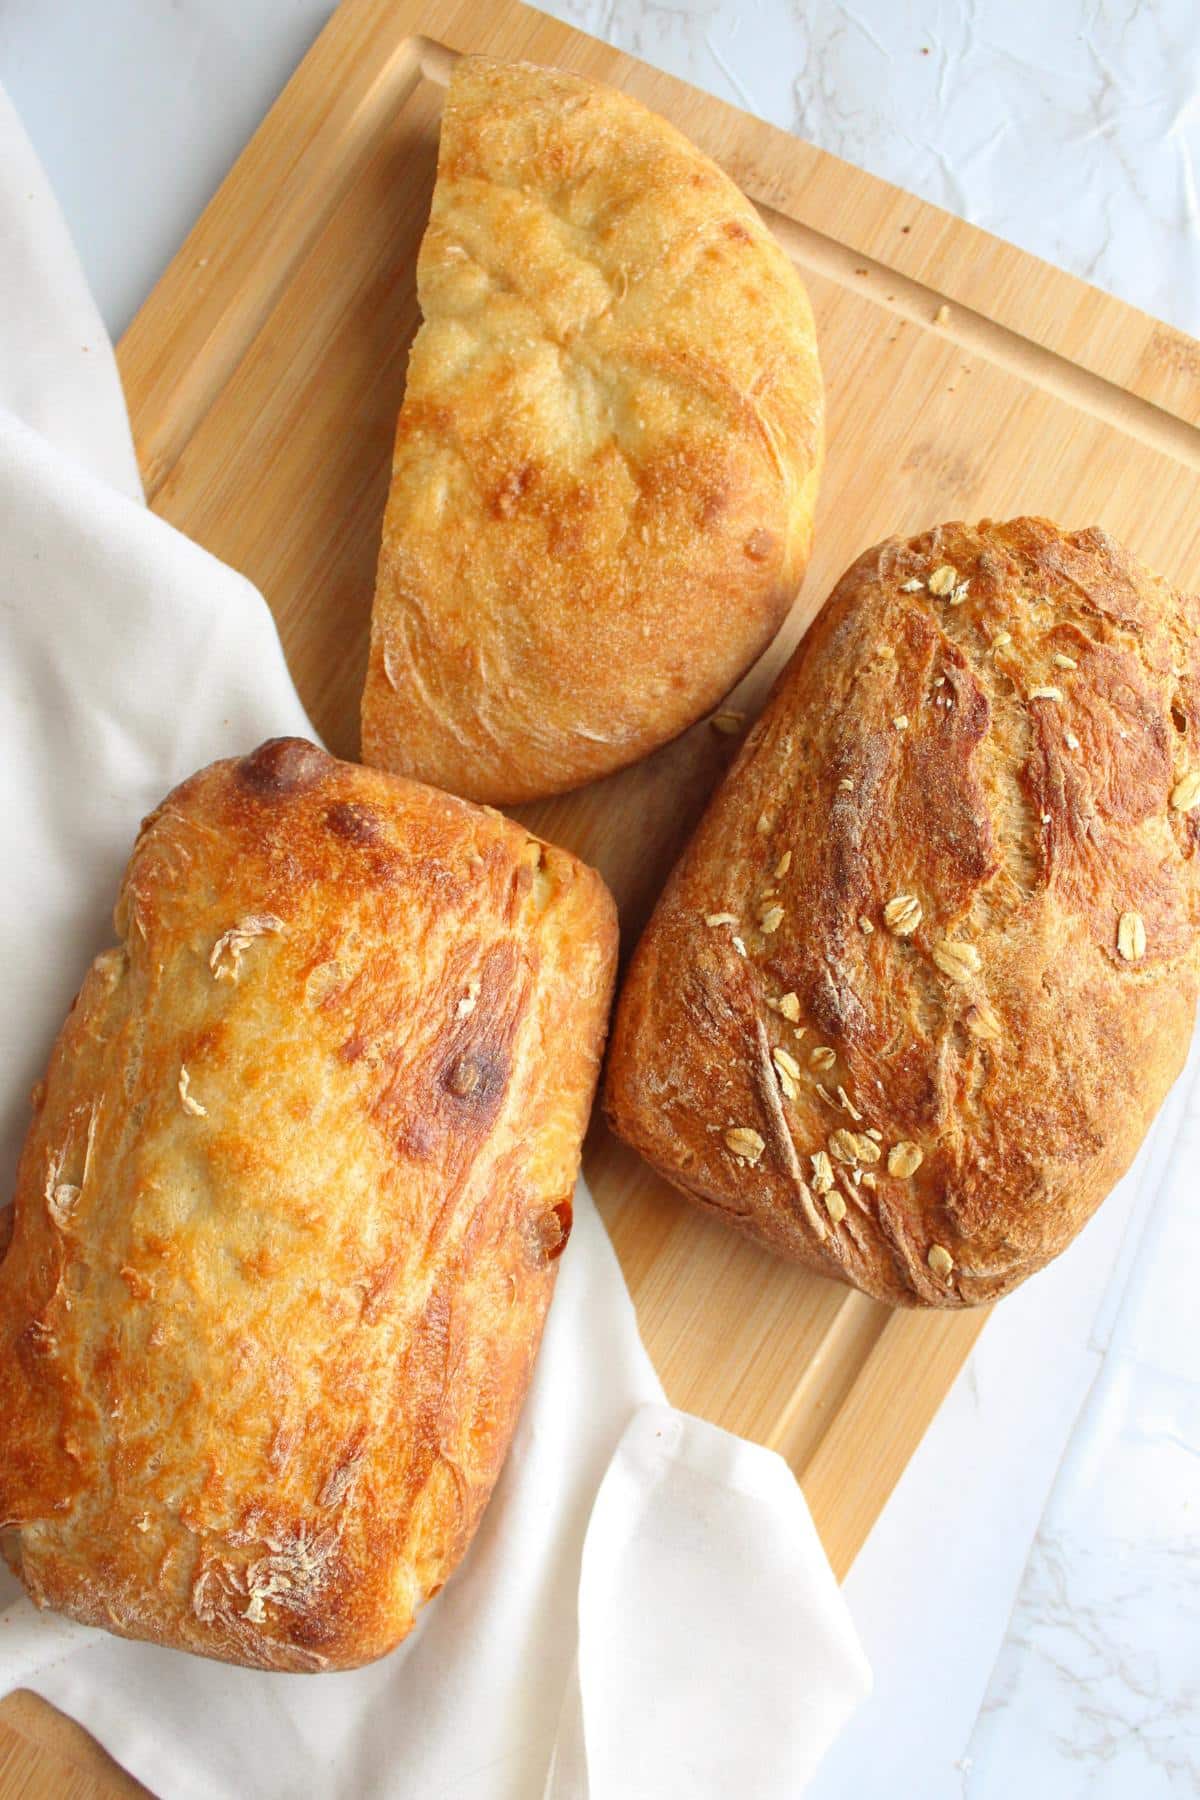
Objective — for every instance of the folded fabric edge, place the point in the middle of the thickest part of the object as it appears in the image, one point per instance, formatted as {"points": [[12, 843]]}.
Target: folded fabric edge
{"points": [[701, 1547]]}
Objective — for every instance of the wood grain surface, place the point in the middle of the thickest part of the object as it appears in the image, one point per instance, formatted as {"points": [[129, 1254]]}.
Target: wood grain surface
{"points": [[965, 379]]}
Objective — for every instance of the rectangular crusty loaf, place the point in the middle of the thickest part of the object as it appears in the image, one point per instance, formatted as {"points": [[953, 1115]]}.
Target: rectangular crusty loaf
{"points": [[922, 978], [288, 1214]]}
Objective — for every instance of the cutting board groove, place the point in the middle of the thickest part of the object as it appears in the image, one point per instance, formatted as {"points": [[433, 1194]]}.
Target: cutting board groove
{"points": [[1005, 348], [964, 378]]}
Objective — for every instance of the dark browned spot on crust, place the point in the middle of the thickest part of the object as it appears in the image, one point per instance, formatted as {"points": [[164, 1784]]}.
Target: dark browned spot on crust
{"points": [[759, 544], [463, 1076], [8, 1216], [283, 766], [357, 823], [546, 1233], [564, 1212], [735, 229], [448, 1098], [477, 1077]]}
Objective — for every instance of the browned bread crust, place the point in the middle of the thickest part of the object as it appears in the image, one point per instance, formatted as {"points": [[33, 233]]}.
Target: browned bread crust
{"points": [[288, 1214], [959, 852], [607, 459]]}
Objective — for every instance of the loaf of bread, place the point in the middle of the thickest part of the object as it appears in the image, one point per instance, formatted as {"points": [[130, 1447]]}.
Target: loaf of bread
{"points": [[926, 971], [607, 459], [288, 1214]]}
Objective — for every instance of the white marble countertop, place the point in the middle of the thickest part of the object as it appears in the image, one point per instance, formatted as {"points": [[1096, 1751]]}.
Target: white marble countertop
{"points": [[1030, 1599]]}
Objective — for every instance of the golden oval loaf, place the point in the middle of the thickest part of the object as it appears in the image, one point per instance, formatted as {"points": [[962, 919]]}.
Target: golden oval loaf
{"points": [[917, 987], [288, 1214], [607, 459]]}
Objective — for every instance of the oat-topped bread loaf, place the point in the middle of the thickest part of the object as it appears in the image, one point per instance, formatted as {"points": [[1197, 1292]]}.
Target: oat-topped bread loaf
{"points": [[923, 976], [288, 1214], [607, 459]]}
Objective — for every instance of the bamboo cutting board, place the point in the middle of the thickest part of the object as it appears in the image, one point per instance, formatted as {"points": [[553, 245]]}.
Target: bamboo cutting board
{"points": [[964, 378]]}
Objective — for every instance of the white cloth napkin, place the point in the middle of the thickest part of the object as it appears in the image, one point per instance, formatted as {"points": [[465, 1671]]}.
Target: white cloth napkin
{"points": [[646, 1610]]}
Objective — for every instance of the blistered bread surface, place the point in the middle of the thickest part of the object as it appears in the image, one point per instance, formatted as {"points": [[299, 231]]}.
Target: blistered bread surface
{"points": [[289, 1212]]}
